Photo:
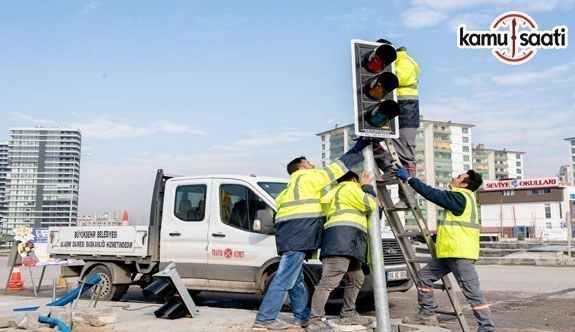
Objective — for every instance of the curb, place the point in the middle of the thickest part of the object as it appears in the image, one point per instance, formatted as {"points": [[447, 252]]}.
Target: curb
{"points": [[526, 261]]}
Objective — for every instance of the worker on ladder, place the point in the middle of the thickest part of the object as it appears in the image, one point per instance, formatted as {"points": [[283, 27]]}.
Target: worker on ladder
{"points": [[406, 70], [457, 247]]}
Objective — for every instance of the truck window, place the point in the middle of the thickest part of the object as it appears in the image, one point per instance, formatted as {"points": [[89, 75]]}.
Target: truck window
{"points": [[239, 206], [190, 202], [273, 188]]}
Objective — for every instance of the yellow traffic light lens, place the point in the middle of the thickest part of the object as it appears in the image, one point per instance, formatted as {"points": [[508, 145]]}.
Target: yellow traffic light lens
{"points": [[378, 86], [379, 58]]}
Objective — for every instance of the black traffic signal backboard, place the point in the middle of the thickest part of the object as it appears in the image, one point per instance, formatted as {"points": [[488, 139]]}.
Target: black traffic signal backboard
{"points": [[374, 84]]}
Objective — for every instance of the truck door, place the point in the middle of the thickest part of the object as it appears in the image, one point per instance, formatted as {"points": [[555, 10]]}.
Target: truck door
{"points": [[236, 251], [185, 227]]}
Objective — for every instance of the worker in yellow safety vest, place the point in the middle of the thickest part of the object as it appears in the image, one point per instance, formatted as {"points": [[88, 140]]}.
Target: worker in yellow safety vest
{"points": [[457, 247], [406, 70], [298, 229]]}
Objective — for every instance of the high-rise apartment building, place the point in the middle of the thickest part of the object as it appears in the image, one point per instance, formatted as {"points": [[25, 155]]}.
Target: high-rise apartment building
{"points": [[44, 177], [571, 141], [497, 164], [443, 150], [3, 181], [565, 175]]}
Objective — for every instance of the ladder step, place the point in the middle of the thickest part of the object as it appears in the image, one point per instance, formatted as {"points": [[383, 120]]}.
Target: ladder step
{"points": [[419, 260], [393, 208], [409, 234], [438, 286], [448, 313]]}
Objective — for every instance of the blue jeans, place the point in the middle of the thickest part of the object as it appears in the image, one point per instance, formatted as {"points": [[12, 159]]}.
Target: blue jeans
{"points": [[288, 279]]}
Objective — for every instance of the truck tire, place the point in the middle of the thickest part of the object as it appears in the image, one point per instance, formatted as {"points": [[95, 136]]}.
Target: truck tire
{"points": [[110, 291], [306, 282]]}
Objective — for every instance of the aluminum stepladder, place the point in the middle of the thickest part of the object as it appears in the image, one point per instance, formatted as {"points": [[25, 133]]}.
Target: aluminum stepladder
{"points": [[403, 236]]}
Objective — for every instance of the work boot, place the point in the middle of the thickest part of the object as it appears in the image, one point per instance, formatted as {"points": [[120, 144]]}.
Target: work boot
{"points": [[273, 325], [321, 325], [421, 319], [387, 175], [355, 319], [402, 203]]}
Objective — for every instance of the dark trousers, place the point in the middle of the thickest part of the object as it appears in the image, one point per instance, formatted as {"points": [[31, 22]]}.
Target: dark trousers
{"points": [[464, 272]]}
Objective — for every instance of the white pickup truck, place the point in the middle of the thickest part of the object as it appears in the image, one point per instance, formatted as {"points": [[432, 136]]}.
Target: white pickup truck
{"points": [[217, 229]]}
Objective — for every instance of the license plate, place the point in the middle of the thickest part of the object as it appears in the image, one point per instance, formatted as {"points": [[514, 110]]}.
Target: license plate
{"points": [[396, 275]]}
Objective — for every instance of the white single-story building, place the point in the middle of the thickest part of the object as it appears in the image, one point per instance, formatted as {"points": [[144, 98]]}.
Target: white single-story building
{"points": [[541, 208]]}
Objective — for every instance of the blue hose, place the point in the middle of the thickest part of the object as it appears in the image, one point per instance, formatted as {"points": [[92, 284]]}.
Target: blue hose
{"points": [[74, 294], [53, 322]]}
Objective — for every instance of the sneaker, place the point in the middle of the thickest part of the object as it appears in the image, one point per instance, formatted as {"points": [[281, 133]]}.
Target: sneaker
{"points": [[273, 325], [320, 325], [421, 319], [402, 204], [302, 323], [355, 319]]}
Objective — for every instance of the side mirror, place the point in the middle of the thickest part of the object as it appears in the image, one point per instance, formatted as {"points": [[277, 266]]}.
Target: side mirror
{"points": [[264, 222]]}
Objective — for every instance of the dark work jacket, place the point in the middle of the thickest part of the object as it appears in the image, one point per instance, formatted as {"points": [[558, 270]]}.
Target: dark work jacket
{"points": [[297, 228]]}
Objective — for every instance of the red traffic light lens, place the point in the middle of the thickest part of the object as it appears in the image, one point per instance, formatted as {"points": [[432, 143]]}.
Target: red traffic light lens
{"points": [[381, 113], [379, 58], [377, 87]]}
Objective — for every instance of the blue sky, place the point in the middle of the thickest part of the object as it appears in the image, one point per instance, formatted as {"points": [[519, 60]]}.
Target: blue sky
{"points": [[200, 87]]}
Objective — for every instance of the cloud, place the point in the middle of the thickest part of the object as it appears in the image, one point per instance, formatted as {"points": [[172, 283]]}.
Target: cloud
{"points": [[422, 17], [429, 13], [258, 140], [101, 127], [549, 75], [472, 21], [89, 8], [33, 119]]}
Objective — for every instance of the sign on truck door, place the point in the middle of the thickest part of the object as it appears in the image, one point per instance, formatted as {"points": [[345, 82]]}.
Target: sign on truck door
{"points": [[235, 250], [185, 228]]}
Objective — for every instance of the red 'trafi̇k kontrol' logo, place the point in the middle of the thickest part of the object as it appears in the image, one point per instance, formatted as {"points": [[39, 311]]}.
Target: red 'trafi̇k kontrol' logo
{"points": [[513, 38]]}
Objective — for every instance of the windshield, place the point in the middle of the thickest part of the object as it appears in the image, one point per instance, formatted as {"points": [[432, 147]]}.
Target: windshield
{"points": [[273, 188]]}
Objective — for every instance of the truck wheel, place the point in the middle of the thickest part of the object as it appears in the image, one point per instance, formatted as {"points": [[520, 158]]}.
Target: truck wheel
{"points": [[306, 282], [110, 291]]}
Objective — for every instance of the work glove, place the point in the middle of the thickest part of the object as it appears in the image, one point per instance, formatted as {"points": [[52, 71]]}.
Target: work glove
{"points": [[359, 145], [401, 173]]}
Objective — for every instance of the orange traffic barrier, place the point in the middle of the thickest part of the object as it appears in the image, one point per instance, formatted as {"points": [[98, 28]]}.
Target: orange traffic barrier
{"points": [[16, 282], [61, 282]]}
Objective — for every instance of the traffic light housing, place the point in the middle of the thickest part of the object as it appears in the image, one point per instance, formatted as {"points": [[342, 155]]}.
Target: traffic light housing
{"points": [[374, 84], [168, 284]]}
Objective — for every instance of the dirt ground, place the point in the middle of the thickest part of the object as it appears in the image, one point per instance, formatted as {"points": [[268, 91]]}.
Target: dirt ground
{"points": [[512, 311]]}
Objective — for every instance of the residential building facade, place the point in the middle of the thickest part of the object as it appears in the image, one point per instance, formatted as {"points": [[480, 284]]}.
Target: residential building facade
{"points": [[4, 163], [43, 181], [566, 174], [571, 141], [495, 164], [443, 150]]}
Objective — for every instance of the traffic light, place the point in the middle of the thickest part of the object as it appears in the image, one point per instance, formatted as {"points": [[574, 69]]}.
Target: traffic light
{"points": [[374, 84], [168, 284]]}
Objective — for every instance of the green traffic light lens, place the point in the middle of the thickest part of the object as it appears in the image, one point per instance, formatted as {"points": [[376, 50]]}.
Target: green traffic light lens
{"points": [[382, 113]]}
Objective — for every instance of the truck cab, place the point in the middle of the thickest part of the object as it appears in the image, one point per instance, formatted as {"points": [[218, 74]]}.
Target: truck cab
{"points": [[225, 221]]}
